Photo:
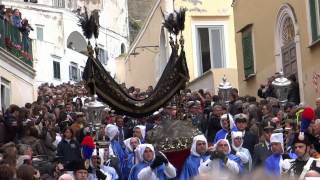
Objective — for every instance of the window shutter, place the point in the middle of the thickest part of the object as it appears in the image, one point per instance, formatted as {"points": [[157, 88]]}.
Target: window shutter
{"points": [[58, 69], [70, 72], [313, 17], [247, 49], [78, 75]]}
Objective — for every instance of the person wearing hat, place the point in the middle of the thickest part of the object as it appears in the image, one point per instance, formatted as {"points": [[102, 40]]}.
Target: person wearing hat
{"points": [[99, 171], [249, 139], [115, 148], [299, 167], [131, 145], [262, 150], [151, 166], [140, 132], [227, 124], [275, 164], [198, 155], [221, 160], [80, 170], [241, 152]]}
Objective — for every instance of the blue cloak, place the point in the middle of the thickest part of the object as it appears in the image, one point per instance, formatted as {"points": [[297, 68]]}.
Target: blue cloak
{"points": [[271, 164], [221, 134], [118, 152], [128, 163], [191, 165]]}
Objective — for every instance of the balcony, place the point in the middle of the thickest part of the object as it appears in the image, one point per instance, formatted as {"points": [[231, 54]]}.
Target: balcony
{"points": [[12, 40]]}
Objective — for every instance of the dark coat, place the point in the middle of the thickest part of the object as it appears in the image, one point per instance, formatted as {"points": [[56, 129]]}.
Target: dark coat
{"points": [[68, 151], [249, 141], [294, 93], [260, 154], [213, 127]]}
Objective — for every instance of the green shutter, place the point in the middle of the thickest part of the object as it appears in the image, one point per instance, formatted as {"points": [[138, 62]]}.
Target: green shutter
{"points": [[313, 17], [248, 62]]}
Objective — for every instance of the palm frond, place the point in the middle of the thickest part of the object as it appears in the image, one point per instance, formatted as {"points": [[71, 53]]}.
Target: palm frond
{"points": [[84, 23]]}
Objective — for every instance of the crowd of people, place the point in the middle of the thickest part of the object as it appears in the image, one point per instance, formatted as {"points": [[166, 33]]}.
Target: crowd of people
{"points": [[13, 18], [52, 139]]}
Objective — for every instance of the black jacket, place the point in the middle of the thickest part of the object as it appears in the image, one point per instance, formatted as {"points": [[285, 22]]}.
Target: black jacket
{"points": [[68, 151], [213, 127], [249, 141], [260, 153]]}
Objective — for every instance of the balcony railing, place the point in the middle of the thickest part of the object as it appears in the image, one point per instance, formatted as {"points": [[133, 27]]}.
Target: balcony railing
{"points": [[12, 39]]}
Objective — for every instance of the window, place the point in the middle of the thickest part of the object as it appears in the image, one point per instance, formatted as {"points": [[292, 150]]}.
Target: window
{"points": [[103, 56], [40, 33], [5, 93], [123, 48], [247, 50], [56, 70], [315, 19], [74, 72], [211, 47]]}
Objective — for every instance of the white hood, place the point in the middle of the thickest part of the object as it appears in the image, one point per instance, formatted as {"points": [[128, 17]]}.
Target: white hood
{"points": [[235, 134], [111, 131], [194, 144], [128, 145], [142, 148], [143, 130], [225, 140], [230, 119]]}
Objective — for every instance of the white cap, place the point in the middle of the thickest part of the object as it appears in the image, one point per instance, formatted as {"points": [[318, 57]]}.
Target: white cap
{"points": [[276, 138]]}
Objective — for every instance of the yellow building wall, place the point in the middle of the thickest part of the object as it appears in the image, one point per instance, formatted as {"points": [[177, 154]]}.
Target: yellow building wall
{"points": [[21, 91], [208, 11], [139, 70], [263, 16]]}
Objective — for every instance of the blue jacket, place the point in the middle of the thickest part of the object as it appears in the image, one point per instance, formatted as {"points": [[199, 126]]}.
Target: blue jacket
{"points": [[191, 166]]}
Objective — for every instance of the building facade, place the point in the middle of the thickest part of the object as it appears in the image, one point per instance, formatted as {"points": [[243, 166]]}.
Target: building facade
{"points": [[60, 47], [209, 46], [278, 35]]}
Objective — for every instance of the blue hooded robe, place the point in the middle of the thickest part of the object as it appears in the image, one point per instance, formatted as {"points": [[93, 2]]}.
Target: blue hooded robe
{"points": [[191, 166], [222, 133], [192, 163], [272, 164]]}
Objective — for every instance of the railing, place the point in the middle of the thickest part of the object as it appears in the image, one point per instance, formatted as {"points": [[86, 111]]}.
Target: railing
{"points": [[12, 39]]}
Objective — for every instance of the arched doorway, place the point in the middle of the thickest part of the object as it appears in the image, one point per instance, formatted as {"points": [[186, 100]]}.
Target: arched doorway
{"points": [[287, 45]]}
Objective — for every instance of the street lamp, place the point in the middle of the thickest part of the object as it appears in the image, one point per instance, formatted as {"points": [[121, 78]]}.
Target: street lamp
{"points": [[281, 85], [94, 111], [224, 90]]}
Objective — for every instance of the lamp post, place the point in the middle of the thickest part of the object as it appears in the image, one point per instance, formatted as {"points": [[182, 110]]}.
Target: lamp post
{"points": [[224, 90], [281, 86], [94, 111]]}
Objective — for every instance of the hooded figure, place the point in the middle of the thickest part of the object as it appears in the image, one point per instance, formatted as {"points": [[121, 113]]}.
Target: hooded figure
{"points": [[130, 158], [227, 125], [152, 167], [99, 171], [275, 164], [143, 132], [115, 148], [221, 160], [198, 155], [239, 151]]}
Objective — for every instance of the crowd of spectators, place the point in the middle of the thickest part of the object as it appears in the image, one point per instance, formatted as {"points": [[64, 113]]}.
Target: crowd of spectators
{"points": [[43, 138], [13, 17]]}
